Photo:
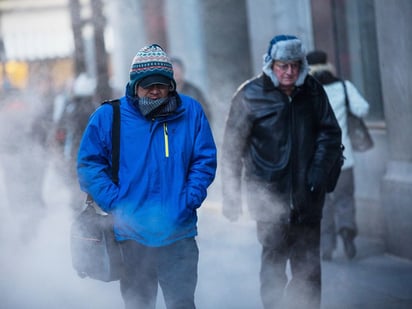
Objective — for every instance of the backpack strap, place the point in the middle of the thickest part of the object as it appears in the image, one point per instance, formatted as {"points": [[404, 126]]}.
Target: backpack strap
{"points": [[115, 146], [346, 93], [115, 138]]}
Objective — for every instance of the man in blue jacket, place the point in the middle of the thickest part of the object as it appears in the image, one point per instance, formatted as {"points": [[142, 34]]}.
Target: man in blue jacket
{"points": [[167, 161]]}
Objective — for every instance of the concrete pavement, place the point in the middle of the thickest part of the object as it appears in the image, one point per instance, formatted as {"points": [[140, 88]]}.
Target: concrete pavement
{"points": [[36, 273], [373, 279]]}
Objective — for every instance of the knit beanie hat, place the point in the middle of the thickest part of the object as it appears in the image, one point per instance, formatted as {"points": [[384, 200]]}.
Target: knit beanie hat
{"points": [[151, 66], [285, 48]]}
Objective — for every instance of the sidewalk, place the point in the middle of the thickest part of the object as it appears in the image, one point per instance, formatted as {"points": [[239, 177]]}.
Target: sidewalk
{"points": [[230, 260], [373, 279], [38, 274]]}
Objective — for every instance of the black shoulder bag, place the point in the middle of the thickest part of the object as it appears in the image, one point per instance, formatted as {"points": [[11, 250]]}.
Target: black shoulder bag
{"points": [[95, 252]]}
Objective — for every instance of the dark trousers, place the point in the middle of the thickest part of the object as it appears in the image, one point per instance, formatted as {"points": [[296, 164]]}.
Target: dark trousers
{"points": [[300, 245], [339, 211], [173, 267]]}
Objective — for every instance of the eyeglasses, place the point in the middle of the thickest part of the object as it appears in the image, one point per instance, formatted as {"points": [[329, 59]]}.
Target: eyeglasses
{"points": [[294, 66]]}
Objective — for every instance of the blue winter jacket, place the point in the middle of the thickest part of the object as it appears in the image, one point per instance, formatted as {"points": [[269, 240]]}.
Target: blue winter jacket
{"points": [[166, 165]]}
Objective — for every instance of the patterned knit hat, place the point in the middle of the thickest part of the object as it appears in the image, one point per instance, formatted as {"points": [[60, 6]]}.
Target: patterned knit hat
{"points": [[285, 48], [151, 66]]}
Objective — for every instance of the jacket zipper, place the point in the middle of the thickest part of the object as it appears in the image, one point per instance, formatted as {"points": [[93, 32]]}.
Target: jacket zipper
{"points": [[166, 137], [292, 152]]}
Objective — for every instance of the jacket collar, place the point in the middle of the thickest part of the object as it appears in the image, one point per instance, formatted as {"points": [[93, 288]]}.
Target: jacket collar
{"points": [[268, 85]]}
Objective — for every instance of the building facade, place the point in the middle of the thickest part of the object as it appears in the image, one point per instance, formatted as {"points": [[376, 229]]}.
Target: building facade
{"points": [[222, 43]]}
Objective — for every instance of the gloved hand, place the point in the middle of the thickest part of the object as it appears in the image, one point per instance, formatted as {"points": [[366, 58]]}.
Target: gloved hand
{"points": [[316, 179]]}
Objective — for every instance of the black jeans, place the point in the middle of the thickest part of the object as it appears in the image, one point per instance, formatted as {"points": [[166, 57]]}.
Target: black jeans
{"points": [[339, 211], [300, 245], [173, 267]]}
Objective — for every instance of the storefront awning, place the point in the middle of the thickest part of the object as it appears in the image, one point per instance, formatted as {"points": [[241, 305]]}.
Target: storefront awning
{"points": [[38, 36]]}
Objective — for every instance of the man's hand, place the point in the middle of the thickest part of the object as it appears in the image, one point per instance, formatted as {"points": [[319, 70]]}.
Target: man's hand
{"points": [[316, 179]]}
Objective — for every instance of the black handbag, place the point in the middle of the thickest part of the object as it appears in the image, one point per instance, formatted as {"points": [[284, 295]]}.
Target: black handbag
{"points": [[95, 252], [358, 132]]}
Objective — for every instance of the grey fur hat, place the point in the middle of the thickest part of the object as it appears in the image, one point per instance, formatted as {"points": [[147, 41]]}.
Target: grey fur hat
{"points": [[285, 48]]}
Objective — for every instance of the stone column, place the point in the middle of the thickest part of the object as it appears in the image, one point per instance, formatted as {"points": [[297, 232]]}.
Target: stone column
{"points": [[394, 22], [226, 46], [267, 18], [129, 35], [212, 38], [185, 39]]}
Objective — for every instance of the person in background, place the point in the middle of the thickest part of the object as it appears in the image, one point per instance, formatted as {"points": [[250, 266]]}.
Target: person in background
{"points": [[167, 161], [76, 107], [281, 134], [185, 87], [339, 211]]}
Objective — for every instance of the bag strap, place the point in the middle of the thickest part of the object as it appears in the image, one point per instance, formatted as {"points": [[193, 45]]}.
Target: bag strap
{"points": [[115, 144], [115, 138], [346, 94]]}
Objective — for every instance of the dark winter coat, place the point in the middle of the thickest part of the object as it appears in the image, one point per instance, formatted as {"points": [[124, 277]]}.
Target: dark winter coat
{"points": [[283, 146]]}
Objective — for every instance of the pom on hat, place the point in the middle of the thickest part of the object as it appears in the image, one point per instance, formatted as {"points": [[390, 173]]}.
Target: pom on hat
{"points": [[285, 48], [149, 61]]}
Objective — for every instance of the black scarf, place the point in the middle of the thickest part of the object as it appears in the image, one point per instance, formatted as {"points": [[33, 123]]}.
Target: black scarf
{"points": [[156, 108]]}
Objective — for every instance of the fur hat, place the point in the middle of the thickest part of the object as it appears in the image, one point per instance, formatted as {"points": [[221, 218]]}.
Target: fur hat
{"points": [[151, 66], [285, 48]]}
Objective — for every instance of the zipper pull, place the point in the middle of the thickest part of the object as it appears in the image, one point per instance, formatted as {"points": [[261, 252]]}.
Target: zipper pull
{"points": [[166, 136]]}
